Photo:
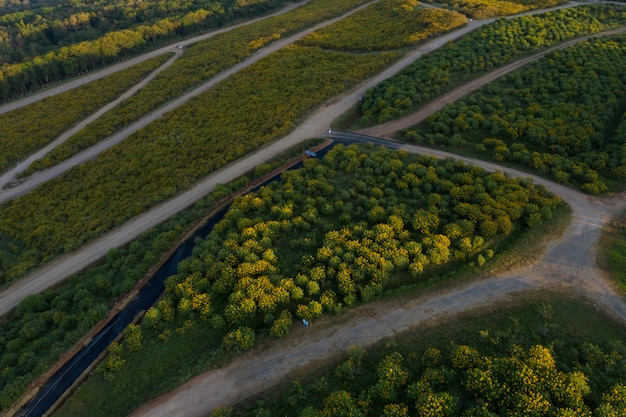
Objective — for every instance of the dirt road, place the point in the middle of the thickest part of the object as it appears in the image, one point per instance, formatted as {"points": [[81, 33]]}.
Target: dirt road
{"points": [[568, 262]]}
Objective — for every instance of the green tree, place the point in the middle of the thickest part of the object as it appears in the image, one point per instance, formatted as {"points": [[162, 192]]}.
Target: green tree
{"points": [[239, 340], [282, 325], [391, 377], [341, 404], [133, 337]]}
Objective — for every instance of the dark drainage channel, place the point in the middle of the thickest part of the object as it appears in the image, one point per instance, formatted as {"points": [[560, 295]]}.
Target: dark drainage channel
{"points": [[63, 379]]}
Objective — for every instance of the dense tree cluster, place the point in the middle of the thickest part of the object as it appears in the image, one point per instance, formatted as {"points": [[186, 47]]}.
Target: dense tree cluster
{"points": [[400, 23], [483, 9], [45, 326], [341, 231], [486, 48], [57, 40], [29, 128], [556, 117]]}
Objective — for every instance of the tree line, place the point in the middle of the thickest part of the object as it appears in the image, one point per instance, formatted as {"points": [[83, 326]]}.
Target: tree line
{"points": [[532, 359]]}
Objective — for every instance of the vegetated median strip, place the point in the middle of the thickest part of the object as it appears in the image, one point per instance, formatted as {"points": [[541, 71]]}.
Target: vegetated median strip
{"points": [[435, 105], [8, 178], [88, 154]]}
